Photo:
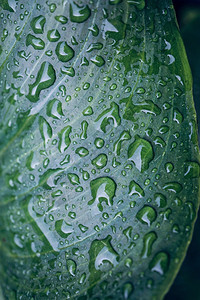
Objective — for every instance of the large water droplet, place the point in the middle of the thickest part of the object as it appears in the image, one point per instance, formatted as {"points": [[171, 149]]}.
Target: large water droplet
{"points": [[102, 190], [124, 136], [64, 52], [45, 78], [78, 13], [135, 189], [71, 267], [160, 263], [37, 43], [100, 161], [37, 24], [141, 153], [54, 109], [148, 241], [64, 139], [53, 35], [45, 130], [110, 114], [102, 257], [146, 215]]}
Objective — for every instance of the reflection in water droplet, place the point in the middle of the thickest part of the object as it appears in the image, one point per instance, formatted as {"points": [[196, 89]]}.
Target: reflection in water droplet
{"points": [[54, 109], [82, 151], [37, 43], [100, 161], [45, 78], [102, 257], [53, 35], [124, 136], [141, 153], [98, 60], [64, 52], [173, 187], [64, 139], [146, 215], [135, 189], [192, 169], [73, 178], [45, 130], [160, 263], [71, 267], [102, 190], [37, 24], [63, 229], [160, 200], [79, 13], [148, 241], [127, 290], [61, 19], [110, 114]]}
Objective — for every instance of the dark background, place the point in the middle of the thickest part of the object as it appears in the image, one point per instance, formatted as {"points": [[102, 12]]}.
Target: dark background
{"points": [[187, 284]]}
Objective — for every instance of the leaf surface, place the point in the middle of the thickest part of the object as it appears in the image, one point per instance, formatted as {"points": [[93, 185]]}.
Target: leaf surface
{"points": [[99, 155]]}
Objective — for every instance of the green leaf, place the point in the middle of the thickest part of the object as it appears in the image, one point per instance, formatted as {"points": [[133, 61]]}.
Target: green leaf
{"points": [[99, 155]]}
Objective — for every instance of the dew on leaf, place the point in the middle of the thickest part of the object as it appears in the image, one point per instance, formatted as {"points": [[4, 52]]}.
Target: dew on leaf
{"points": [[146, 215], [37, 24]]}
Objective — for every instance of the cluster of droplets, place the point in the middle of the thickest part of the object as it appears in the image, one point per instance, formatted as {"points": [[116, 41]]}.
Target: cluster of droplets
{"points": [[93, 136]]}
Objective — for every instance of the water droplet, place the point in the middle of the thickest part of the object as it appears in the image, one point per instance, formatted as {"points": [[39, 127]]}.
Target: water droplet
{"points": [[160, 263], [140, 152], [102, 258], [68, 71], [94, 46], [88, 111], [163, 129], [148, 241], [192, 169], [53, 35], [37, 43], [160, 200], [173, 187], [147, 107], [100, 161], [63, 229], [54, 109], [71, 267], [64, 52], [159, 141], [107, 115], [177, 117], [45, 78], [82, 151], [45, 130], [64, 139], [135, 189], [84, 127], [37, 24], [66, 160], [99, 143], [169, 167], [98, 60], [79, 13], [127, 290], [83, 228], [127, 232], [102, 190], [61, 19], [146, 215], [124, 136], [94, 29], [73, 178]]}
